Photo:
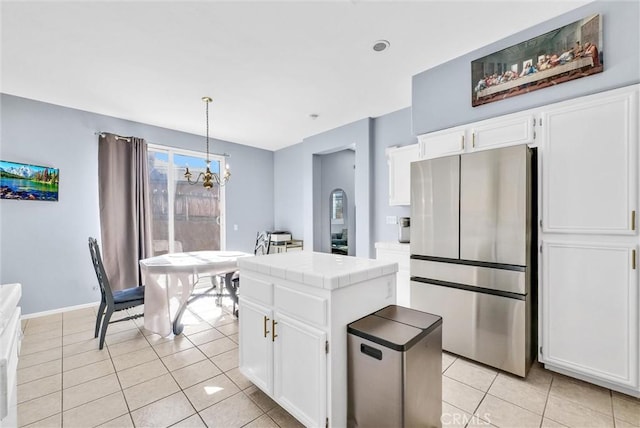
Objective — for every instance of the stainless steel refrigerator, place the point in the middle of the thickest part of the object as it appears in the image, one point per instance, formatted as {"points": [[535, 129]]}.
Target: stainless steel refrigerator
{"points": [[471, 257]]}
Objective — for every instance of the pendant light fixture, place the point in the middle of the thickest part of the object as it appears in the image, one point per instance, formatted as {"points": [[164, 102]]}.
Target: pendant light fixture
{"points": [[208, 177]]}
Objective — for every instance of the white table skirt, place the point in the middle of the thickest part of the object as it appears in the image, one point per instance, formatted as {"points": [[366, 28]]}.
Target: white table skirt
{"points": [[169, 280]]}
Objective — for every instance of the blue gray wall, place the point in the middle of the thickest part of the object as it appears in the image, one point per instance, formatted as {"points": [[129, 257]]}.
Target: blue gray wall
{"points": [[43, 245], [355, 135], [392, 129], [288, 173], [441, 96]]}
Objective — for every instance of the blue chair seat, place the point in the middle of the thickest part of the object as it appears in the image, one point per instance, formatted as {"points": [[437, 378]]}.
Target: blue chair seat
{"points": [[128, 295]]}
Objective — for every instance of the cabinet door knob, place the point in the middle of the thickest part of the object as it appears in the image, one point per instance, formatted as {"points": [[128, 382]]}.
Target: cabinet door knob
{"points": [[473, 140], [633, 259], [633, 220], [266, 319], [462, 142], [273, 330]]}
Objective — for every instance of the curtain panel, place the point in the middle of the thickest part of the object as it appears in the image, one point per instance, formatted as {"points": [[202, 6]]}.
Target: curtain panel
{"points": [[124, 208]]}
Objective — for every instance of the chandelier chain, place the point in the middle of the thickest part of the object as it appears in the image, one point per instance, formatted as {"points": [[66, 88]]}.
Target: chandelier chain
{"points": [[207, 113]]}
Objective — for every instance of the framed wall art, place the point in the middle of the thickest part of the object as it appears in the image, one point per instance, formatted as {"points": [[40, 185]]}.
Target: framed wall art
{"points": [[28, 182], [564, 54]]}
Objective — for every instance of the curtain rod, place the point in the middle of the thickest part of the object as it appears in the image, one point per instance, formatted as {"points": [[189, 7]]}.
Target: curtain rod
{"points": [[118, 137], [128, 139]]}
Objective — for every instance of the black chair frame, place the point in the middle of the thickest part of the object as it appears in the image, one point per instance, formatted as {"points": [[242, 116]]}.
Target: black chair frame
{"points": [[109, 304]]}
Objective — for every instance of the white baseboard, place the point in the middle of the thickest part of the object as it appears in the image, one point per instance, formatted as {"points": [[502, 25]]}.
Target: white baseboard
{"points": [[57, 311]]}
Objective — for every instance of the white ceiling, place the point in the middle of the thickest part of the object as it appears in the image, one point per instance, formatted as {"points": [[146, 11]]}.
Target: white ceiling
{"points": [[267, 65]]}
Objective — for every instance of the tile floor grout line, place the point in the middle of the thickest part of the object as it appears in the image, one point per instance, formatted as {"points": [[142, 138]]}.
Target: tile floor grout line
{"points": [[33, 422], [196, 347], [62, 374], [578, 403], [118, 379], [483, 398], [546, 401]]}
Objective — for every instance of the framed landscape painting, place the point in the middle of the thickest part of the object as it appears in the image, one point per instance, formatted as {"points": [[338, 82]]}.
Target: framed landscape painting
{"points": [[28, 182], [564, 54]]}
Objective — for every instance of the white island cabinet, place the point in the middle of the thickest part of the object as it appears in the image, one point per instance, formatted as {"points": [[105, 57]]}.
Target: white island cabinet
{"points": [[294, 311]]}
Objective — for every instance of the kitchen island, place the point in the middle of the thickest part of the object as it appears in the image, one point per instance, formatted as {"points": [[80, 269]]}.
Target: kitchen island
{"points": [[294, 311]]}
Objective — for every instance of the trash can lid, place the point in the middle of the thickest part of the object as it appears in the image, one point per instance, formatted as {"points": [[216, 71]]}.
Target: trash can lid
{"points": [[412, 317], [385, 332]]}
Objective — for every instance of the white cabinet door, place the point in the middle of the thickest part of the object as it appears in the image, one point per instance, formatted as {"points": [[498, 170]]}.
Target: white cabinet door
{"points": [[502, 132], [300, 370], [589, 165], [442, 143], [399, 160], [589, 304], [256, 348]]}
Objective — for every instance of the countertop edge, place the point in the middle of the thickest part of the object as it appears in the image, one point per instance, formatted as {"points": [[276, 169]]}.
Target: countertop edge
{"points": [[336, 278]]}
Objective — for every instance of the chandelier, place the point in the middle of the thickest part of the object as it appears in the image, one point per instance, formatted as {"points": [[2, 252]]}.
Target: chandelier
{"points": [[208, 177]]}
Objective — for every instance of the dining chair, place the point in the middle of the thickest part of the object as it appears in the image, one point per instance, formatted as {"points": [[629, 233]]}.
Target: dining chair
{"points": [[263, 243], [112, 301]]}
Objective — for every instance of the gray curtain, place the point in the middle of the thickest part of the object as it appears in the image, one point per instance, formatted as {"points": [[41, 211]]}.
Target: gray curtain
{"points": [[124, 208]]}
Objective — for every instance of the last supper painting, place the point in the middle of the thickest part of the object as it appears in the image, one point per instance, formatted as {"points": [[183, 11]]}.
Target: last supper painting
{"points": [[567, 53]]}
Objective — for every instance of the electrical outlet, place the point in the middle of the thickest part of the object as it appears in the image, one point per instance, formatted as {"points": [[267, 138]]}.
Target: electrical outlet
{"points": [[392, 219], [235, 227]]}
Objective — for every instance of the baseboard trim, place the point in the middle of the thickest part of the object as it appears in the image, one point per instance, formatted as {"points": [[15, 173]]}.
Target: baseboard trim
{"points": [[57, 311]]}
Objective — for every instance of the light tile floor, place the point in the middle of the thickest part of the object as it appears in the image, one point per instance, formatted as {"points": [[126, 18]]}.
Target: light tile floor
{"points": [[144, 380]]}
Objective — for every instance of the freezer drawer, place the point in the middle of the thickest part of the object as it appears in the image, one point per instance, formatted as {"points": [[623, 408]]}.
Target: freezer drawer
{"points": [[493, 330], [495, 205], [512, 280]]}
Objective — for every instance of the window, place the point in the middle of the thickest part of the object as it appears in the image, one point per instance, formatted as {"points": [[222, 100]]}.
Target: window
{"points": [[184, 217]]}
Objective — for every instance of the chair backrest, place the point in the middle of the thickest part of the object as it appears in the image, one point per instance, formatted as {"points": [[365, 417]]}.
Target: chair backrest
{"points": [[103, 281], [263, 243]]}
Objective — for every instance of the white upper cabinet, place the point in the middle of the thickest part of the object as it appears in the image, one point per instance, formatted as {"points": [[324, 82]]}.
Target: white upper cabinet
{"points": [[506, 131], [443, 143], [503, 131], [590, 165], [399, 160]]}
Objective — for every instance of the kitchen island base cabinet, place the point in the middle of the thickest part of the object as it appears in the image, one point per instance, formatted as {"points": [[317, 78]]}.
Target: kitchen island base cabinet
{"points": [[293, 335], [300, 369], [257, 356]]}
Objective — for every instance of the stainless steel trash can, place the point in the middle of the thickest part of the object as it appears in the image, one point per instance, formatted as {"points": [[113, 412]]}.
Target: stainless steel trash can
{"points": [[395, 369]]}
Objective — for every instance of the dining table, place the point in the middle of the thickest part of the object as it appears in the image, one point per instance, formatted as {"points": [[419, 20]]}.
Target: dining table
{"points": [[170, 280]]}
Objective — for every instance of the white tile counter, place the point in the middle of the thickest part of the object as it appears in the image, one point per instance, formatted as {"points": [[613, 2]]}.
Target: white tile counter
{"points": [[294, 311], [329, 271]]}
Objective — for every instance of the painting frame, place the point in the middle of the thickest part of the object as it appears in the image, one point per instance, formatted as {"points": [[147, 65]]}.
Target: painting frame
{"points": [[567, 53], [27, 182]]}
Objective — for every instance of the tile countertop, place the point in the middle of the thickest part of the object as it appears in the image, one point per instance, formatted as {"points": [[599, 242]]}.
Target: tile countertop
{"points": [[329, 271]]}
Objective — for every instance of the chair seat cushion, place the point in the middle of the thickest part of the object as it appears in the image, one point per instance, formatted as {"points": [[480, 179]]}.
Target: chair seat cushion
{"points": [[128, 294]]}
